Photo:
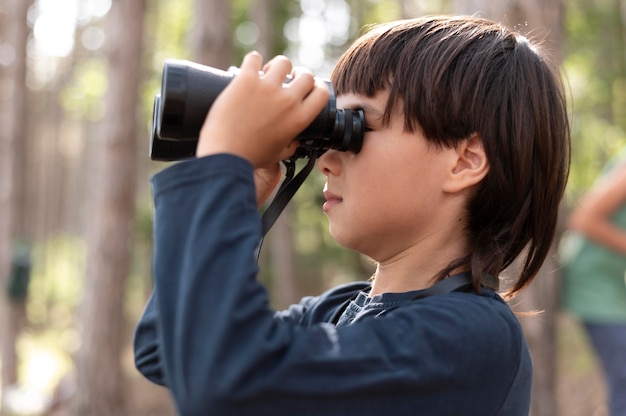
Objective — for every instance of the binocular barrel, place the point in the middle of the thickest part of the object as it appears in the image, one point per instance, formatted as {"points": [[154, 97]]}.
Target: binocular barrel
{"points": [[188, 91]]}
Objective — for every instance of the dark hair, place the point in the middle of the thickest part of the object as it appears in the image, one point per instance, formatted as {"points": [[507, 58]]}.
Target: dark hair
{"points": [[455, 76]]}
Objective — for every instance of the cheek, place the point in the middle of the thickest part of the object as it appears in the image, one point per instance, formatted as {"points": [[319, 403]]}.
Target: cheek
{"points": [[394, 168]]}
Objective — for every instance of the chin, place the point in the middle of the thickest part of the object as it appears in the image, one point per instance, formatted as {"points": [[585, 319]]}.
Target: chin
{"points": [[347, 239]]}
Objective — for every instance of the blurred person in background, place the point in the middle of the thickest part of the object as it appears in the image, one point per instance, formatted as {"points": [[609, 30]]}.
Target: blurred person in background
{"points": [[594, 285]]}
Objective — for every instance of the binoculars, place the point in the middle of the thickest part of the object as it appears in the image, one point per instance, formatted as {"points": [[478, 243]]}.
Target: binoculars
{"points": [[187, 92]]}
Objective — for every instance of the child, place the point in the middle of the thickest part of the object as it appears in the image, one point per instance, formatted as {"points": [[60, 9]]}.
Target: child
{"points": [[463, 165]]}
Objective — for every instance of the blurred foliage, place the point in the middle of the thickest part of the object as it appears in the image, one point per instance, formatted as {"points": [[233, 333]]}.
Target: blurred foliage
{"points": [[55, 292], [82, 96], [595, 68], [56, 282]]}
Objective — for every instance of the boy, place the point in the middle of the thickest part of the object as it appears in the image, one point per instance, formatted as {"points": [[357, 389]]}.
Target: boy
{"points": [[463, 164]]}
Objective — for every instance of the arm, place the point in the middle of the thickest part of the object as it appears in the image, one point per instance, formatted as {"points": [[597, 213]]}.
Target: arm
{"points": [[146, 340], [255, 118], [225, 352], [592, 217]]}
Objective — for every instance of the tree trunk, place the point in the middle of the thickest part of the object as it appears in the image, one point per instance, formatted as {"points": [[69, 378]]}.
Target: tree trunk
{"points": [[98, 362], [261, 14], [540, 332], [212, 34], [281, 255], [12, 133]]}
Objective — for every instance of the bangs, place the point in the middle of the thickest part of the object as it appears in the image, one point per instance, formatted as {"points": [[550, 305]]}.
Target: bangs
{"points": [[370, 66], [364, 67], [432, 67]]}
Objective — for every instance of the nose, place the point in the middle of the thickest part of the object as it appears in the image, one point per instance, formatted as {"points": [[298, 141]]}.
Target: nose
{"points": [[329, 163]]}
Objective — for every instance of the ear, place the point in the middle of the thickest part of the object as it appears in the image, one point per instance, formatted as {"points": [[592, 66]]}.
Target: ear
{"points": [[469, 167]]}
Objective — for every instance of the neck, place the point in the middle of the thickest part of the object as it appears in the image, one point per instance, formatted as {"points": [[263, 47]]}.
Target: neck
{"points": [[417, 267]]}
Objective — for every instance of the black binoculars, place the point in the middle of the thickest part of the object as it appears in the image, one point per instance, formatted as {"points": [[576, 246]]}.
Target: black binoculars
{"points": [[187, 92]]}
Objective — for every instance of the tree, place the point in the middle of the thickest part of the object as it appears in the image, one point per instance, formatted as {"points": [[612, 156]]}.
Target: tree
{"points": [[211, 36], [98, 368], [12, 134]]}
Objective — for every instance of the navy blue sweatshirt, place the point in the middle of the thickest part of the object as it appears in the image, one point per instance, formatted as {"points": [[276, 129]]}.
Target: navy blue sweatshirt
{"points": [[208, 334]]}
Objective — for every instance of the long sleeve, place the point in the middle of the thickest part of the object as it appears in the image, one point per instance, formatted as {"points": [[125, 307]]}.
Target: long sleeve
{"points": [[209, 335], [146, 344]]}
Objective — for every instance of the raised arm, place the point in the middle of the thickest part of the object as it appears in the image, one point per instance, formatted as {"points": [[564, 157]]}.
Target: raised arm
{"points": [[592, 216]]}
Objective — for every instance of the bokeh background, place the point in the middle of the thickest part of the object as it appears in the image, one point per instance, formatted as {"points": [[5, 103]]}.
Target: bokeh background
{"points": [[77, 84]]}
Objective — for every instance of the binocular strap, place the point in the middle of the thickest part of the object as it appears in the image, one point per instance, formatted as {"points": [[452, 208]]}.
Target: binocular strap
{"points": [[284, 194]]}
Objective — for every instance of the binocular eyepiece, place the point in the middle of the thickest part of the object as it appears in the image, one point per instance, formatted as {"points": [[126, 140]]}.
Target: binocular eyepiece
{"points": [[187, 92]]}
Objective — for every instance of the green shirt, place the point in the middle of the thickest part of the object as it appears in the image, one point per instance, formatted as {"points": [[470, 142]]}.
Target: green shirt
{"points": [[594, 285]]}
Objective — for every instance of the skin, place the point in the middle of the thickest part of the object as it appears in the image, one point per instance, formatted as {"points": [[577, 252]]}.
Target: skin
{"points": [[399, 200], [269, 116], [592, 216]]}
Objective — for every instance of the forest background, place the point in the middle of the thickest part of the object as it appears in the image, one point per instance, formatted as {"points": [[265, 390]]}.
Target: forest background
{"points": [[77, 84]]}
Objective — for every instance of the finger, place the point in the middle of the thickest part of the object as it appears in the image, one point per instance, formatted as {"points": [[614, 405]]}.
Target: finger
{"points": [[251, 63], [275, 60], [299, 70], [317, 97], [277, 69], [302, 83]]}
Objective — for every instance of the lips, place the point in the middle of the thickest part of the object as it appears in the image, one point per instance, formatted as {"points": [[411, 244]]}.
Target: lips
{"points": [[331, 200]]}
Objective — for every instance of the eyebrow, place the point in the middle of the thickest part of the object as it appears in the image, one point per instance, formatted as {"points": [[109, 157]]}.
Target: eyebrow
{"points": [[368, 109]]}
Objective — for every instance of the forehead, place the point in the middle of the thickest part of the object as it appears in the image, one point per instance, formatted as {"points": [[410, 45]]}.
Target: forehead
{"points": [[373, 107]]}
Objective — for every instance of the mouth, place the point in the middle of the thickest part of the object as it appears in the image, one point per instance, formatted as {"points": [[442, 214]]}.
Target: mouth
{"points": [[331, 200]]}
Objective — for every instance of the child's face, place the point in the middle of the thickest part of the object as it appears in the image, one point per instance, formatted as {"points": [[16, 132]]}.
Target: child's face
{"points": [[388, 198]]}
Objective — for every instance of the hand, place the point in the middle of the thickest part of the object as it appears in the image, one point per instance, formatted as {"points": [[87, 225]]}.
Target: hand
{"points": [[265, 180], [257, 117]]}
